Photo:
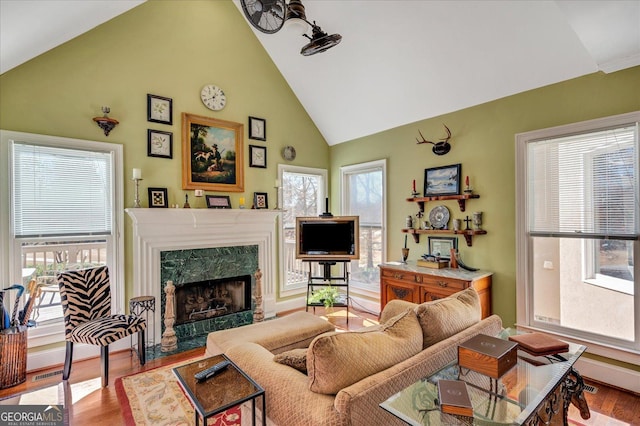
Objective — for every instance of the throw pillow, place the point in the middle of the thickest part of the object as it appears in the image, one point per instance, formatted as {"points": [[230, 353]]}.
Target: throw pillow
{"points": [[336, 360], [296, 358], [442, 318]]}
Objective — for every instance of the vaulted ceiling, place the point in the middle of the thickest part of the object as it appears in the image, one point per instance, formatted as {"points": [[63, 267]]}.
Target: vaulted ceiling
{"points": [[399, 61]]}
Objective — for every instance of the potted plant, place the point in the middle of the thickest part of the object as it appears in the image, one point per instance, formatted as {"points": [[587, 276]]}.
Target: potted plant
{"points": [[327, 295]]}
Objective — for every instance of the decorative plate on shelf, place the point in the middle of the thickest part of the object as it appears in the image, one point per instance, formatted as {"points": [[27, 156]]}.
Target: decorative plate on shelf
{"points": [[439, 217]]}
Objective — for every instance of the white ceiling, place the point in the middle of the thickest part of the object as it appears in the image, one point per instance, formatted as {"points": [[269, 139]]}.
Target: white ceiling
{"points": [[399, 61]]}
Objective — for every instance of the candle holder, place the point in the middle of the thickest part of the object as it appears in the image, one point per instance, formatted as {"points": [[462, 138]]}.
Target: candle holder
{"points": [[136, 201], [277, 196], [405, 255]]}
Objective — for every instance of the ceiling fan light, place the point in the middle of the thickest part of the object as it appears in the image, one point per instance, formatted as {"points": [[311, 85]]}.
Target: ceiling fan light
{"points": [[296, 26], [296, 19]]}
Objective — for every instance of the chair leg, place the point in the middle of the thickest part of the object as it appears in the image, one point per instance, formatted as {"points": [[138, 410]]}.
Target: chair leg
{"points": [[68, 358], [104, 360], [142, 351]]}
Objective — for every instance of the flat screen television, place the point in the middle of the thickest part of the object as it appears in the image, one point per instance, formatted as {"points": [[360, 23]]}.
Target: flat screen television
{"points": [[328, 238]]}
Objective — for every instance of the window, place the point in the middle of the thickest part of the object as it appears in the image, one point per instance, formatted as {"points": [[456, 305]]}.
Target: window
{"points": [[578, 231], [303, 194], [65, 213], [363, 194]]}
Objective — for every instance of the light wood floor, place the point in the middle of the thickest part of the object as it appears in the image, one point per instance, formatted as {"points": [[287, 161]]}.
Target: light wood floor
{"points": [[92, 405]]}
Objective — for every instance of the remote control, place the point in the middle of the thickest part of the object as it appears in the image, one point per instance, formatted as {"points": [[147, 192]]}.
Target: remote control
{"points": [[211, 371]]}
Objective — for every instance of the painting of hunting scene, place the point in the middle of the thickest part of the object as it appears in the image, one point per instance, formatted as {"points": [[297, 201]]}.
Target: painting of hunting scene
{"points": [[212, 159]]}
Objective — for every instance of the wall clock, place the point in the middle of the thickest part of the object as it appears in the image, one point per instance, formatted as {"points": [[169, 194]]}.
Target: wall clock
{"points": [[213, 97], [289, 153]]}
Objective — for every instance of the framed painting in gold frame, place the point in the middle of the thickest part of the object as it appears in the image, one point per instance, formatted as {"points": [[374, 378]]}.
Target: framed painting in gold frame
{"points": [[212, 154]]}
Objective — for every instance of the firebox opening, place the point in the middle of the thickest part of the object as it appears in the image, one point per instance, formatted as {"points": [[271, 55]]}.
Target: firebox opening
{"points": [[212, 298]]}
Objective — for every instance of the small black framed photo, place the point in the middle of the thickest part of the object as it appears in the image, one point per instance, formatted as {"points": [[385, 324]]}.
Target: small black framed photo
{"points": [[257, 128], [218, 202], [260, 200], [159, 144], [441, 246], [257, 156], [159, 109], [158, 198], [443, 180]]}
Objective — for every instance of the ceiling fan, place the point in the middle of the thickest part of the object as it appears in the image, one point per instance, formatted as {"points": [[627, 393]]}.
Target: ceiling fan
{"points": [[269, 16]]}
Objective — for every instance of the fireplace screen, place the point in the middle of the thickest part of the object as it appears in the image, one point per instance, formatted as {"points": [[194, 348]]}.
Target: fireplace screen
{"points": [[212, 298]]}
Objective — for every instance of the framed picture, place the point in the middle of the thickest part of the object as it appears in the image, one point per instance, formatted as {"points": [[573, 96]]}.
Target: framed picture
{"points": [[158, 197], [260, 200], [159, 144], [218, 202], [443, 180], [212, 154], [441, 246], [159, 109], [257, 128], [257, 156]]}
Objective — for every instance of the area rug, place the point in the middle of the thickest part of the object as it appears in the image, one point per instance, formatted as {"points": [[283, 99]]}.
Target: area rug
{"points": [[154, 397]]}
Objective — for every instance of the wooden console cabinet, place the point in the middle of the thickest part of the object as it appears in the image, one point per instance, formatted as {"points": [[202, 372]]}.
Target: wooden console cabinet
{"points": [[418, 284]]}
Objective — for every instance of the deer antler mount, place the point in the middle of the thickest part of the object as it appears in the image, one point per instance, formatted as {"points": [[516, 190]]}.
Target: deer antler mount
{"points": [[442, 146]]}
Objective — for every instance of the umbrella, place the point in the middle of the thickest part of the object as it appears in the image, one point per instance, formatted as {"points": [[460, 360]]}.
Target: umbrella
{"points": [[17, 303]]}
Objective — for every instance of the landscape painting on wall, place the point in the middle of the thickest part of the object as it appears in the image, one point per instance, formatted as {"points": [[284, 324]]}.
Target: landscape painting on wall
{"points": [[443, 180], [212, 154]]}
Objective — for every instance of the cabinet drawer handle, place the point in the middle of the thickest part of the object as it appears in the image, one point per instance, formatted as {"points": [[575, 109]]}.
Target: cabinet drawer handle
{"points": [[442, 283], [397, 276]]}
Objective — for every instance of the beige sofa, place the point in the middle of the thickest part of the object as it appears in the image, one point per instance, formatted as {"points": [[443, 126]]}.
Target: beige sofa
{"points": [[350, 373]]}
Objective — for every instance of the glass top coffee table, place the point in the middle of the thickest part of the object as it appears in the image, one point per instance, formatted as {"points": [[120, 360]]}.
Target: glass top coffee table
{"points": [[538, 390], [228, 388]]}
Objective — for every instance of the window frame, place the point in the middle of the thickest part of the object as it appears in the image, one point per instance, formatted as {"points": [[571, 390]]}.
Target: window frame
{"points": [[299, 288], [524, 246], [371, 289], [10, 261]]}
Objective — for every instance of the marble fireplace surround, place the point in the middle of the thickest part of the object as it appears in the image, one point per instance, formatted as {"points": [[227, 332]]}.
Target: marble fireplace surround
{"points": [[156, 230]]}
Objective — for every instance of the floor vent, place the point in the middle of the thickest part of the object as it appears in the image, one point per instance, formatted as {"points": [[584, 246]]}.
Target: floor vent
{"points": [[590, 389], [52, 373]]}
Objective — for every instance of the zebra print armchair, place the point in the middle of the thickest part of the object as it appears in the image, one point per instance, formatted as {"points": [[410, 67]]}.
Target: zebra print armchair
{"points": [[86, 304]]}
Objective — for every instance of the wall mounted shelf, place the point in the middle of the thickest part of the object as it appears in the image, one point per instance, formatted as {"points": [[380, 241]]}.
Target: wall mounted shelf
{"points": [[467, 233], [462, 199]]}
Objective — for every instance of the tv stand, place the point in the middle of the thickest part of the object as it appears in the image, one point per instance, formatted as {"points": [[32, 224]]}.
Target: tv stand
{"points": [[327, 279]]}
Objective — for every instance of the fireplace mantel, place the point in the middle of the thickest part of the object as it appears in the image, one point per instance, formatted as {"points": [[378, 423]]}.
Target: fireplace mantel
{"points": [[157, 230]]}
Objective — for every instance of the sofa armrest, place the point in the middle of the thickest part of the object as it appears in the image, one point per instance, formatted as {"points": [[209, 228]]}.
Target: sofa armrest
{"points": [[395, 307], [360, 401], [289, 400]]}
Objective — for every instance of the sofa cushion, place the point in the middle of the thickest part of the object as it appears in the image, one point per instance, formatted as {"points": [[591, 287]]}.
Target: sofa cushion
{"points": [[296, 358], [336, 360], [278, 335], [445, 317]]}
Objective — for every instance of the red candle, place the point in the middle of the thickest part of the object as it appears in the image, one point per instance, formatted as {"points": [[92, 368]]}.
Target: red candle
{"points": [[466, 181], [414, 185]]}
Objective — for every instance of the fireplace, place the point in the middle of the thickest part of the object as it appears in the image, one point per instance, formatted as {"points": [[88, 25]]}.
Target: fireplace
{"points": [[207, 299], [163, 240], [205, 280]]}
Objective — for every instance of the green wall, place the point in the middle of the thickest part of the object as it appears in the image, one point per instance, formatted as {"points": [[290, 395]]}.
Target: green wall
{"points": [[483, 141], [171, 49]]}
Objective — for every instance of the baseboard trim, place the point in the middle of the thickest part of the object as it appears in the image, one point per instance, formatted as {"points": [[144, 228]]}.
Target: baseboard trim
{"points": [[39, 360], [613, 375]]}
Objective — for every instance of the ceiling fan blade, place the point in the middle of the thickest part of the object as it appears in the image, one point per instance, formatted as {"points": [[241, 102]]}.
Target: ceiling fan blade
{"points": [[256, 17]]}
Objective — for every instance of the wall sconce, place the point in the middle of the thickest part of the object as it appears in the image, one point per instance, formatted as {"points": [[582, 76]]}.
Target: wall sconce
{"points": [[105, 123]]}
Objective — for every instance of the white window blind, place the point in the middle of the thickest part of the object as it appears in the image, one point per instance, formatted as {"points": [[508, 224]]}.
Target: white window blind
{"points": [[585, 185], [60, 191]]}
